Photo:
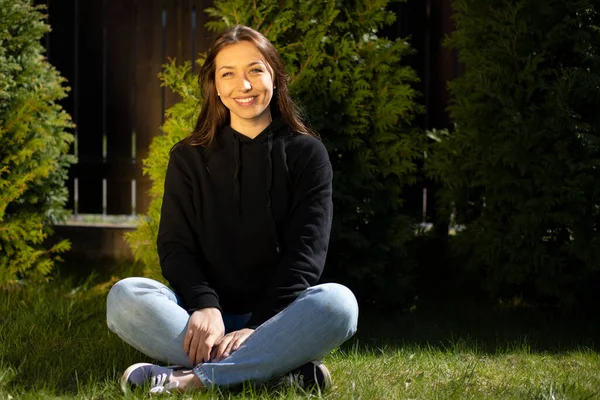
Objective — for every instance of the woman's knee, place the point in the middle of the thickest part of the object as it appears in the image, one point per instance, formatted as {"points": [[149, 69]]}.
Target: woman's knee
{"points": [[121, 291], [338, 304], [122, 298], [118, 294]]}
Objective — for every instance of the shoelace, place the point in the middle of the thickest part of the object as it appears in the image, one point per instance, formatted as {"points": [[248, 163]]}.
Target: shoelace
{"points": [[158, 386], [293, 379]]}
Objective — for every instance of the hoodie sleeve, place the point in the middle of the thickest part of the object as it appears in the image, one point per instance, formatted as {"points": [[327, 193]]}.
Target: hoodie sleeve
{"points": [[305, 239], [179, 251]]}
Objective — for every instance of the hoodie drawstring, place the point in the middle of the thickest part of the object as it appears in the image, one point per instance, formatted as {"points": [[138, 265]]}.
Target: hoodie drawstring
{"points": [[268, 188], [237, 190], [237, 177]]}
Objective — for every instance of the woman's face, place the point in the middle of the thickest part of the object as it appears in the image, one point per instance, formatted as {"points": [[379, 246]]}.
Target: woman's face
{"points": [[244, 83]]}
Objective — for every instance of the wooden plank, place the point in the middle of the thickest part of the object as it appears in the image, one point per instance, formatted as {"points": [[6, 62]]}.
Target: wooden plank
{"points": [[178, 43], [148, 98], [443, 62], [411, 23], [120, 36], [91, 101], [60, 43], [99, 171], [203, 37]]}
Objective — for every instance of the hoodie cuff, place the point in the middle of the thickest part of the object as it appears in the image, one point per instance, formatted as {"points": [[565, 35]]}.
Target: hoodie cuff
{"points": [[206, 300]]}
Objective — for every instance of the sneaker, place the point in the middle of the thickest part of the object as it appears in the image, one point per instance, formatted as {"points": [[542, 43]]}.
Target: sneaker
{"points": [[312, 375], [154, 376]]}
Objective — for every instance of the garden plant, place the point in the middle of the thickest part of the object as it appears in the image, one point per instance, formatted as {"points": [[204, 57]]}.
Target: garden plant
{"points": [[34, 146], [520, 169]]}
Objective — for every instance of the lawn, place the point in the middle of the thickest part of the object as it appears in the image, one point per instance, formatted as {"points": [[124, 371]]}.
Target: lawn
{"points": [[55, 344]]}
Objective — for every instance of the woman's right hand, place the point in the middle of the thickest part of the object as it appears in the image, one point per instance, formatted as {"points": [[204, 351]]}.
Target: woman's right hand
{"points": [[205, 327]]}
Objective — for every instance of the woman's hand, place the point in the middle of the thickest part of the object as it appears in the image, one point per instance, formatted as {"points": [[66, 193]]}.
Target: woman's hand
{"points": [[230, 343], [205, 328]]}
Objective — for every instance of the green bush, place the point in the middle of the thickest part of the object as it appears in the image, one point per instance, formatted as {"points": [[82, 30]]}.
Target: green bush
{"points": [[33, 145], [355, 92], [521, 167]]}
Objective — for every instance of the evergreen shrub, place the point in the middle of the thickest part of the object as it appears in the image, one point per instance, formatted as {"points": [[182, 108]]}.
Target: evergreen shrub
{"points": [[521, 167], [357, 94], [34, 143]]}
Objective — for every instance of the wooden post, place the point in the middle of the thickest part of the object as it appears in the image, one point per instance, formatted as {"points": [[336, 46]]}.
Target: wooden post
{"points": [[90, 108], [178, 44], [147, 92], [120, 42], [203, 37], [443, 61], [443, 70]]}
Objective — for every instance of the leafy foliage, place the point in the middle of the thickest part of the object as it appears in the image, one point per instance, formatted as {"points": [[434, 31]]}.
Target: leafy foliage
{"points": [[33, 145], [355, 92], [521, 167]]}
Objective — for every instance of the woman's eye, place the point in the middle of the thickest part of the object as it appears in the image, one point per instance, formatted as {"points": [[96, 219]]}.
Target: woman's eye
{"points": [[226, 74], [256, 70]]}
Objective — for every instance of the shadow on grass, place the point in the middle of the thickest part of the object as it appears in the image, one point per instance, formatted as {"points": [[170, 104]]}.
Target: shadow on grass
{"points": [[441, 323], [479, 327], [453, 310]]}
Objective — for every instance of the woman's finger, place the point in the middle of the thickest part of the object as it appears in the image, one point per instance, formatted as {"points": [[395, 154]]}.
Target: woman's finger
{"points": [[187, 341], [229, 349], [206, 346], [194, 348], [238, 342], [224, 343], [242, 339]]}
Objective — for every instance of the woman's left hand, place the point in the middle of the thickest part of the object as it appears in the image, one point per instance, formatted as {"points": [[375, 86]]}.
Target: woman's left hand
{"points": [[230, 343]]}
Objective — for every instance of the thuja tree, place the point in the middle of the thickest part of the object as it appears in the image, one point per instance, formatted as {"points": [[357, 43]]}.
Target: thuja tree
{"points": [[357, 95], [522, 165], [33, 145]]}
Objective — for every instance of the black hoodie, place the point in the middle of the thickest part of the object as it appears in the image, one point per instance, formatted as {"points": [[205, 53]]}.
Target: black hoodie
{"points": [[245, 222]]}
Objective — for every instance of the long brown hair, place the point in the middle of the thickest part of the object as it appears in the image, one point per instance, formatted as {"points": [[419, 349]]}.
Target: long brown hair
{"points": [[214, 115]]}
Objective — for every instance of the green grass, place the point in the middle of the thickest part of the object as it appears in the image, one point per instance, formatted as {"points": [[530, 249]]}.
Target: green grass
{"points": [[54, 343]]}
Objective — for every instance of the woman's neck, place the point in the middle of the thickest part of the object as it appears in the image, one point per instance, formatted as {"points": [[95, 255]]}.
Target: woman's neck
{"points": [[251, 127]]}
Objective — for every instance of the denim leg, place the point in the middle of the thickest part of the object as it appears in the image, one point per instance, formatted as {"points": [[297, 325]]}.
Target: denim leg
{"points": [[319, 320], [146, 315]]}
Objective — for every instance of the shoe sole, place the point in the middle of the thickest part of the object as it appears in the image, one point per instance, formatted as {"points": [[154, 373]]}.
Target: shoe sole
{"points": [[327, 381], [127, 373]]}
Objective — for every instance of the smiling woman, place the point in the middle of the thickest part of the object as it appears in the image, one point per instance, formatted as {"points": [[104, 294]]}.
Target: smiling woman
{"points": [[243, 237], [242, 64]]}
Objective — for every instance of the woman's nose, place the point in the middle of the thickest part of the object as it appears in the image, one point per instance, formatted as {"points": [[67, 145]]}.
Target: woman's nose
{"points": [[246, 84]]}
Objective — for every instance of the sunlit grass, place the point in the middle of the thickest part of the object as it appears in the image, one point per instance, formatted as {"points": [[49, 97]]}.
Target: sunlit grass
{"points": [[55, 344]]}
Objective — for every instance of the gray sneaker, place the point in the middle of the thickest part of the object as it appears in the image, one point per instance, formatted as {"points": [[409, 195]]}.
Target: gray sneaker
{"points": [[153, 376], [311, 376]]}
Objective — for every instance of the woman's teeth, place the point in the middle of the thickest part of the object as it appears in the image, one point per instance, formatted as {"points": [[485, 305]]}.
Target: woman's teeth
{"points": [[246, 100]]}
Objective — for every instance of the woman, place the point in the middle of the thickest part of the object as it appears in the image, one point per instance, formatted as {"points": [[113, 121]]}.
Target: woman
{"points": [[243, 236]]}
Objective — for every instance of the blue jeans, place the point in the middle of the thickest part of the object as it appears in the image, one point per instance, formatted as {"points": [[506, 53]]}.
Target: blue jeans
{"points": [[148, 315]]}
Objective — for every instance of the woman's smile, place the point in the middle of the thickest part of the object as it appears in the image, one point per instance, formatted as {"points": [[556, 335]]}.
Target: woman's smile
{"points": [[246, 101]]}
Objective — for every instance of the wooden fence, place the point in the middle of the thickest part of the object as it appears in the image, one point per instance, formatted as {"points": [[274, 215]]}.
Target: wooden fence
{"points": [[111, 51], [428, 23]]}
